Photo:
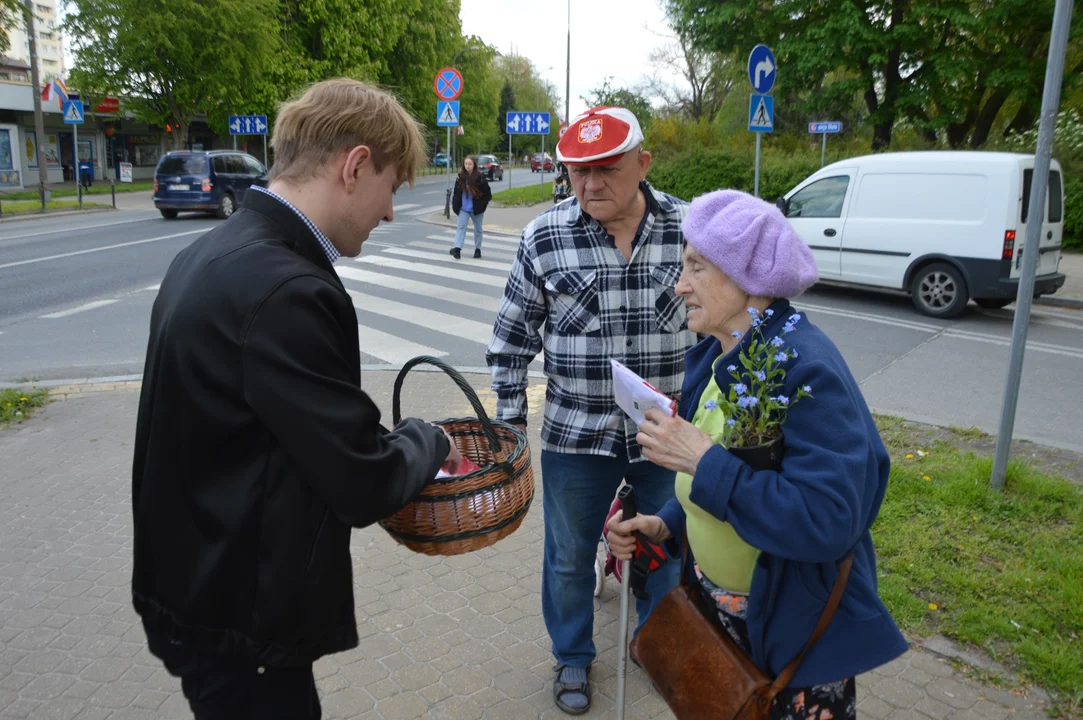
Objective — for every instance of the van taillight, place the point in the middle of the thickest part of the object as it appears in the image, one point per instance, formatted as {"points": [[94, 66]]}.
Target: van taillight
{"points": [[1009, 245], [155, 184], [206, 187]]}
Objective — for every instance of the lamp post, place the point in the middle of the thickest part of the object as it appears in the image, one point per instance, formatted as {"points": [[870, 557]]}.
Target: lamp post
{"points": [[568, 70]]}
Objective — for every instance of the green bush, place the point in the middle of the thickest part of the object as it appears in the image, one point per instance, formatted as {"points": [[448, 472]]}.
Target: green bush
{"points": [[691, 173]]}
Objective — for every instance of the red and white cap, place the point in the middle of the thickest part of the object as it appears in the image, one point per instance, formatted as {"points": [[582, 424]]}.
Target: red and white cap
{"points": [[600, 136]]}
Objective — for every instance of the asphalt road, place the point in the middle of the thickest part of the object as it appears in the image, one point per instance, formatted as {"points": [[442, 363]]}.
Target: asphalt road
{"points": [[77, 292]]}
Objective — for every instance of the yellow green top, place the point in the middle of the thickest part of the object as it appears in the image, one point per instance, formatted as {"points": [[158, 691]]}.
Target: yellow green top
{"points": [[726, 559]]}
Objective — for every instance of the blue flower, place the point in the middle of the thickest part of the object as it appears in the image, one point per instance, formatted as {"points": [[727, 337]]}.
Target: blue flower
{"points": [[796, 318], [757, 322], [781, 357], [753, 312], [807, 389], [731, 422], [761, 375], [787, 329], [736, 334], [710, 405], [778, 342], [782, 400], [793, 353], [748, 402], [769, 313], [740, 388], [732, 369]]}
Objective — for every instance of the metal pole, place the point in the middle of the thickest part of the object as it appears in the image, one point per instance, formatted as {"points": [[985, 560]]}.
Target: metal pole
{"points": [[1054, 75], [266, 160], [78, 185], [568, 66], [756, 187], [39, 121], [234, 142], [823, 151], [447, 192], [511, 160], [542, 183]]}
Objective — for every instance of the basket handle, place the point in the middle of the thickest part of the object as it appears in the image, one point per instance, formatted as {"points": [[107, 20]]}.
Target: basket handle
{"points": [[483, 417]]}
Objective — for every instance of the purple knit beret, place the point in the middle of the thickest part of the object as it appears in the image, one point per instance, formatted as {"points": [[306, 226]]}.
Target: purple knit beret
{"points": [[750, 241]]}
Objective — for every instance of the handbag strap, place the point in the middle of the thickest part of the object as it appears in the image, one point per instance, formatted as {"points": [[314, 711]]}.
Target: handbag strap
{"points": [[826, 616]]}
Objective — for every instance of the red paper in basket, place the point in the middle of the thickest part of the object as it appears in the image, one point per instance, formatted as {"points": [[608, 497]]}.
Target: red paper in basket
{"points": [[466, 466]]}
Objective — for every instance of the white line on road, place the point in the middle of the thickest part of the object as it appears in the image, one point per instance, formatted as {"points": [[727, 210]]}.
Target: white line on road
{"points": [[486, 250], [426, 269], [508, 243], [151, 288], [81, 308], [425, 210], [101, 249], [469, 330], [72, 229], [404, 208], [422, 255], [417, 287], [391, 348]]}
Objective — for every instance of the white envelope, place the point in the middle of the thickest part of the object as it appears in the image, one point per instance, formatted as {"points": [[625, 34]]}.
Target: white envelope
{"points": [[636, 396]]}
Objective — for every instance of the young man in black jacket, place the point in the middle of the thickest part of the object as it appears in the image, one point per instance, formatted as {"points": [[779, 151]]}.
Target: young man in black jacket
{"points": [[256, 450]]}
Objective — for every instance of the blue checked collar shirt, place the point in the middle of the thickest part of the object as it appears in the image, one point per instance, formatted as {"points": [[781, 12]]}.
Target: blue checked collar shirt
{"points": [[572, 295], [325, 243]]}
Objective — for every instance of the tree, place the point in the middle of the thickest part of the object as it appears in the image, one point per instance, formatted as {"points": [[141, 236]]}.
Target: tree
{"points": [[633, 100], [12, 15], [507, 104], [174, 59], [946, 66], [710, 76]]}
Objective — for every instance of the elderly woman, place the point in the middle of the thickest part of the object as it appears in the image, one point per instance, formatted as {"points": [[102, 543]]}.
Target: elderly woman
{"points": [[767, 544]]}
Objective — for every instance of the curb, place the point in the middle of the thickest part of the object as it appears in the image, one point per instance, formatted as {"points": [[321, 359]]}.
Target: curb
{"points": [[502, 230], [1061, 302], [32, 216]]}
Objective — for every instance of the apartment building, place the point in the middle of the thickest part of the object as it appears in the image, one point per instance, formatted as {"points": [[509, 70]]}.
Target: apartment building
{"points": [[50, 40]]}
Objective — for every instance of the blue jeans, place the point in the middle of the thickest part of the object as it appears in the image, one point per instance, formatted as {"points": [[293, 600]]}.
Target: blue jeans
{"points": [[577, 492], [460, 233]]}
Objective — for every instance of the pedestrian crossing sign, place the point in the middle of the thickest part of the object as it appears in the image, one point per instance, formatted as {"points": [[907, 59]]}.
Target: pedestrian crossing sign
{"points": [[447, 113], [761, 113], [73, 112]]}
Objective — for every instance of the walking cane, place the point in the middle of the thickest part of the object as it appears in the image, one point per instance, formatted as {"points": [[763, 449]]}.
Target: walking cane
{"points": [[627, 497]]}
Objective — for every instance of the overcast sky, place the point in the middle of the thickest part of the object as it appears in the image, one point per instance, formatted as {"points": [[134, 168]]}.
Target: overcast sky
{"points": [[609, 37]]}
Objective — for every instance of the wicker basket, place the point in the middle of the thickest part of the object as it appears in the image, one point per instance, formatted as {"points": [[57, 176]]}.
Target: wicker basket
{"points": [[466, 513]]}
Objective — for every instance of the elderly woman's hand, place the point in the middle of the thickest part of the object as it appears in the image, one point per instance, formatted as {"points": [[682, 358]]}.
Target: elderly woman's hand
{"points": [[673, 442], [621, 537]]}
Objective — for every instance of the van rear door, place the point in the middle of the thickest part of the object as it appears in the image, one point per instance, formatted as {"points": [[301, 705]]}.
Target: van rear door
{"points": [[1052, 233]]}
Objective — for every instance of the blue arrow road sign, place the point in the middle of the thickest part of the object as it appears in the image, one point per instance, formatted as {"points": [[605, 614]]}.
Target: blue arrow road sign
{"points": [[528, 123], [761, 69], [447, 113], [247, 124], [73, 112], [820, 128], [761, 113]]}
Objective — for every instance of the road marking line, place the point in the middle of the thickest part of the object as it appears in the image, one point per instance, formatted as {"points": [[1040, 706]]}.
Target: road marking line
{"points": [[152, 288], [452, 325], [425, 210], [426, 269], [405, 207], [488, 239], [80, 227], [417, 287], [102, 249], [81, 308], [420, 254], [391, 348], [486, 251]]}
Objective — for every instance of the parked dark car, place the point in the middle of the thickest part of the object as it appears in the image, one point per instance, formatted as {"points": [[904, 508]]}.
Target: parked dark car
{"points": [[541, 162], [213, 182], [490, 167]]}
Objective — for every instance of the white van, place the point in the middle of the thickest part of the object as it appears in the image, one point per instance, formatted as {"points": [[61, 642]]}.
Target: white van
{"points": [[944, 227]]}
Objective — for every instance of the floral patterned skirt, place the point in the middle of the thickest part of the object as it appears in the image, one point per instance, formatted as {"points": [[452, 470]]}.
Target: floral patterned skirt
{"points": [[833, 701]]}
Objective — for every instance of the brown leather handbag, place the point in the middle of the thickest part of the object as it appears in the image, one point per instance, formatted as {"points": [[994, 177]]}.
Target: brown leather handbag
{"points": [[700, 671]]}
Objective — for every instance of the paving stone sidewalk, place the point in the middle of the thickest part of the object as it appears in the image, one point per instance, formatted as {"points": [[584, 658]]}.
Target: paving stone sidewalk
{"points": [[442, 638]]}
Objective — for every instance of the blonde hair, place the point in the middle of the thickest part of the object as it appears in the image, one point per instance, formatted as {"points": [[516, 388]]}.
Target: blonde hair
{"points": [[333, 116]]}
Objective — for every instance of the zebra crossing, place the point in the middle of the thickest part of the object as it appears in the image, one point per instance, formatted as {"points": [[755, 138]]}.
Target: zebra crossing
{"points": [[412, 298]]}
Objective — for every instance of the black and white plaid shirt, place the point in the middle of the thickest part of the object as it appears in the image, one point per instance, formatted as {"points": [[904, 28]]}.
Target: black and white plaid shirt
{"points": [[572, 293], [328, 249]]}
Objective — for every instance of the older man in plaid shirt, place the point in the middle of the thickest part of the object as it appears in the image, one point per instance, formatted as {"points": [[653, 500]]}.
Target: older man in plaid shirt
{"points": [[594, 279]]}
